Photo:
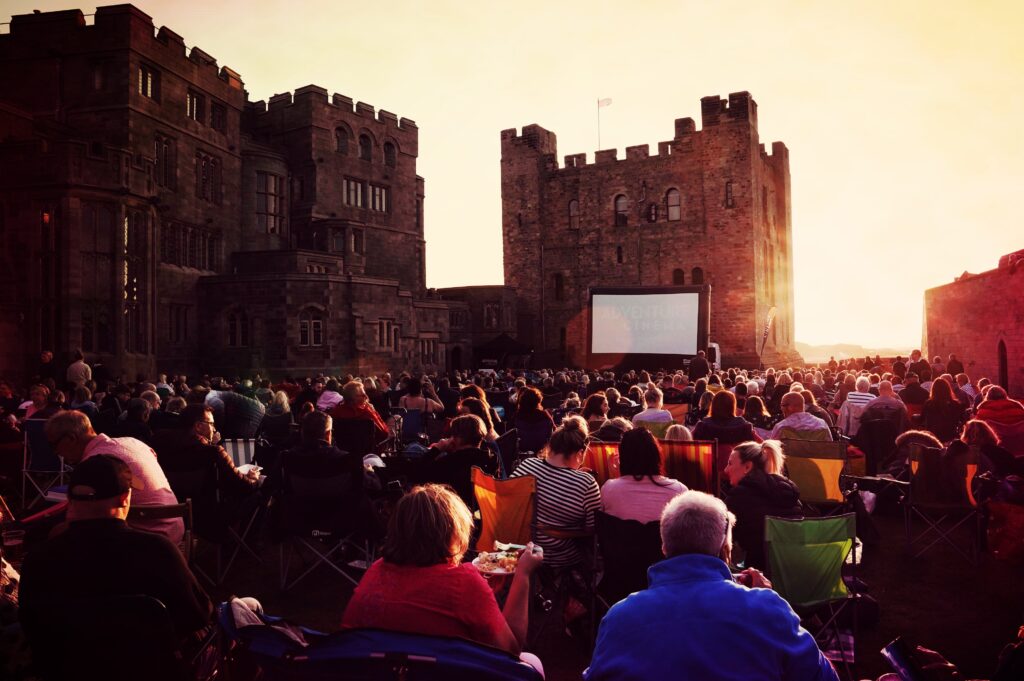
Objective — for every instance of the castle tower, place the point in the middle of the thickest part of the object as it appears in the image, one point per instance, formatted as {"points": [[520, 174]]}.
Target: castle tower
{"points": [[710, 207]]}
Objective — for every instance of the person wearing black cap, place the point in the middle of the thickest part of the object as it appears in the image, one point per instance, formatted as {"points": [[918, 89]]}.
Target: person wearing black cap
{"points": [[98, 556]]}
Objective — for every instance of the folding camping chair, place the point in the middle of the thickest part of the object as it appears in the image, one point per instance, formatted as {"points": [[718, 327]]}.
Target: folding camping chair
{"points": [[678, 411], [181, 510], [602, 458], [273, 650], [413, 425], [242, 451], [805, 563], [355, 436], [212, 518], [693, 463], [941, 496], [816, 467], [506, 509], [656, 428], [508, 449], [627, 549], [115, 637], [41, 467], [324, 511]]}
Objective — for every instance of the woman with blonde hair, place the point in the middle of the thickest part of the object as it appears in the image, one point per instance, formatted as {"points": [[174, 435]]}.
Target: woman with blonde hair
{"points": [[421, 585], [756, 489]]}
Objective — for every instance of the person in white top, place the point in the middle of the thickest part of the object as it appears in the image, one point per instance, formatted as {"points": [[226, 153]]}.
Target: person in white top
{"points": [[71, 436], [79, 372], [653, 411]]}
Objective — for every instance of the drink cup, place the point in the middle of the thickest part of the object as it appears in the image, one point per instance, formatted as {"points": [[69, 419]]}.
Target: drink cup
{"points": [[14, 545]]}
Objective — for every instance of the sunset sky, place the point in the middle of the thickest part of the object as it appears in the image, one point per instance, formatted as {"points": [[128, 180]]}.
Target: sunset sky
{"points": [[903, 119]]}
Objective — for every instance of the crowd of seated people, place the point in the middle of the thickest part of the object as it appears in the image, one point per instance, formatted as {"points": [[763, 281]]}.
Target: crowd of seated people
{"points": [[172, 424]]}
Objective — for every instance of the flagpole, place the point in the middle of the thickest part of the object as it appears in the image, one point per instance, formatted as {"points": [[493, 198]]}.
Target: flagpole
{"points": [[599, 124]]}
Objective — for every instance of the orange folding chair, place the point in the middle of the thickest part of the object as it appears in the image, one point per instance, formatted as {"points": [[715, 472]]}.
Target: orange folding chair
{"points": [[602, 458], [506, 509], [695, 464], [678, 411]]}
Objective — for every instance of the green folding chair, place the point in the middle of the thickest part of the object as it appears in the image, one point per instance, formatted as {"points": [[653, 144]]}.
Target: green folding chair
{"points": [[805, 563]]}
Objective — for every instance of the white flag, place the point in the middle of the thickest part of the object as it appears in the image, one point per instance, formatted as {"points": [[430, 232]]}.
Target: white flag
{"points": [[601, 103]]}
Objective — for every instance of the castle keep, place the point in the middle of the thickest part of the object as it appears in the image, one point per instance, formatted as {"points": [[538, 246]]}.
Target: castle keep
{"points": [[711, 206]]}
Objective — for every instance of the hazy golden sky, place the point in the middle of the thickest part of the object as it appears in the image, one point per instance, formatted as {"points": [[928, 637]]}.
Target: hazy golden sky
{"points": [[903, 119]]}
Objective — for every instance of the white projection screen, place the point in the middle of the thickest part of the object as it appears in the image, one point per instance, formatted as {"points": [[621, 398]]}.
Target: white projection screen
{"points": [[644, 322]]}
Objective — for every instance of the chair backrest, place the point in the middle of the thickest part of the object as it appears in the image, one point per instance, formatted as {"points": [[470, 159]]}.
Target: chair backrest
{"points": [[39, 456], [354, 435], [551, 401], [508, 448], [628, 548], [506, 508], [815, 468], [693, 463], [936, 479], [183, 510], [806, 556], [678, 411], [789, 433], [241, 451], [434, 426], [656, 428], [602, 458], [877, 438], [110, 637], [412, 424]]}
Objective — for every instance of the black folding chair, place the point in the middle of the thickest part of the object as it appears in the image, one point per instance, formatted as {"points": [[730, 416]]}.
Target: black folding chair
{"points": [[181, 510], [942, 498], [41, 468], [508, 449], [627, 549], [355, 436]]}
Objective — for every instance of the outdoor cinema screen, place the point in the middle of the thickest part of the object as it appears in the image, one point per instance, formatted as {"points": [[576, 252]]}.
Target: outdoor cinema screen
{"points": [[645, 323]]}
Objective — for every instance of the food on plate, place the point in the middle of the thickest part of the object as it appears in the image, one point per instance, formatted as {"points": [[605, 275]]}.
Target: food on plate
{"points": [[497, 561]]}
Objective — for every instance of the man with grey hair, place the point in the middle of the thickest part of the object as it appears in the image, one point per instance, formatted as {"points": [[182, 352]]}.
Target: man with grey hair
{"points": [[653, 412], [735, 628], [853, 407]]}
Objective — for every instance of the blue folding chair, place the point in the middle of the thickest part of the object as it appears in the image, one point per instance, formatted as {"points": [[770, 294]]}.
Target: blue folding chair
{"points": [[41, 467], [275, 653]]}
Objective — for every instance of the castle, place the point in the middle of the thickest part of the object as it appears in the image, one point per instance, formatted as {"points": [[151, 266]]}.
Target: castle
{"points": [[711, 207], [156, 218]]}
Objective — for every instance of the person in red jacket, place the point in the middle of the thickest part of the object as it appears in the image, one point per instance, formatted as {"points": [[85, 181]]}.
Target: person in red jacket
{"points": [[356, 405], [1005, 416]]}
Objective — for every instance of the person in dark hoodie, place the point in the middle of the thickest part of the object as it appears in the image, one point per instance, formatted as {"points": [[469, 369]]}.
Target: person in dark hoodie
{"points": [[758, 489]]}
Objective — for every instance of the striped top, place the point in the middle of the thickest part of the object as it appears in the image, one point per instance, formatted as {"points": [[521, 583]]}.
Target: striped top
{"points": [[854, 397], [566, 499]]}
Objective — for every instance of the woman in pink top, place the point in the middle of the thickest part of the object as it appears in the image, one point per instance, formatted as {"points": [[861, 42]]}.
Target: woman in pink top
{"points": [[641, 492]]}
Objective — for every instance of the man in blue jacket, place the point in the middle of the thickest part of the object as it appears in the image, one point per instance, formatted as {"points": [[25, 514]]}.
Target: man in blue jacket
{"points": [[696, 622]]}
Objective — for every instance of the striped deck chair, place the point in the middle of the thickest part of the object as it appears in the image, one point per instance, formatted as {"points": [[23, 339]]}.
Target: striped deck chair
{"points": [[602, 458], [692, 463], [241, 451], [815, 468], [678, 411], [506, 509]]}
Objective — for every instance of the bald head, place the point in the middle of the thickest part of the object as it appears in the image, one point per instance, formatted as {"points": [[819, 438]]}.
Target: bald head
{"points": [[792, 403], [885, 389]]}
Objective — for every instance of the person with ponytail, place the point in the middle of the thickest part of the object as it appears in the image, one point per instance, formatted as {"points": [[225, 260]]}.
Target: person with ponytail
{"points": [[567, 498], [756, 489]]}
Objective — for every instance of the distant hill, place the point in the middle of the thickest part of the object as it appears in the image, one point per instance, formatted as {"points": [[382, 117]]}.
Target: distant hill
{"points": [[821, 353]]}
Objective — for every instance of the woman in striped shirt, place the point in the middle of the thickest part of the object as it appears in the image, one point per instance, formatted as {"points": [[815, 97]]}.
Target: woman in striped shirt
{"points": [[567, 498]]}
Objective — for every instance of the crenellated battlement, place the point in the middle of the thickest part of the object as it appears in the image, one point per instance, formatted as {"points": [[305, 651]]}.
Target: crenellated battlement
{"points": [[113, 26], [739, 107], [314, 94]]}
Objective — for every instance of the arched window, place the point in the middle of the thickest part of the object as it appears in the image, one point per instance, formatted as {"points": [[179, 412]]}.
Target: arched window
{"points": [[672, 202], [311, 329], [618, 254], [559, 287], [341, 140], [1004, 369], [365, 148], [678, 277], [390, 155], [574, 214], [621, 206], [697, 276]]}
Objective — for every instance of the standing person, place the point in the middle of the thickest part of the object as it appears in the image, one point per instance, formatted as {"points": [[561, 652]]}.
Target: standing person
{"points": [[736, 628], [79, 372], [417, 398], [699, 367], [954, 366], [71, 436]]}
